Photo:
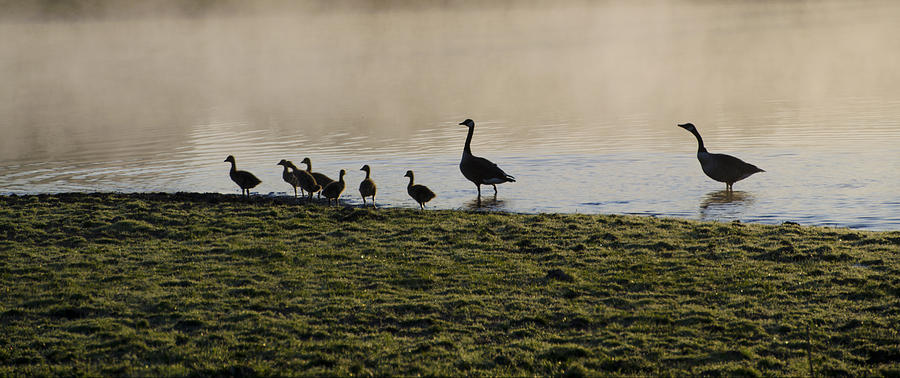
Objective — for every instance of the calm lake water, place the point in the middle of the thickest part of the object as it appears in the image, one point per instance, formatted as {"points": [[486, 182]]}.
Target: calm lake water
{"points": [[579, 102]]}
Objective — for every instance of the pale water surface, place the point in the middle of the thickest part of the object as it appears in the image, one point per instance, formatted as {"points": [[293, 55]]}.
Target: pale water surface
{"points": [[578, 101]]}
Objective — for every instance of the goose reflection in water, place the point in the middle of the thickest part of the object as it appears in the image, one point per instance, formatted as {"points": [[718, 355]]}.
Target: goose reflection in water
{"points": [[725, 204], [489, 204]]}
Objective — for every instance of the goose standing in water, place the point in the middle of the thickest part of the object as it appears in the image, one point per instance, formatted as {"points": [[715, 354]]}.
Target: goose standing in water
{"points": [[289, 176], [306, 180], [244, 179], [480, 170], [367, 186], [720, 167], [333, 190], [420, 193], [321, 179]]}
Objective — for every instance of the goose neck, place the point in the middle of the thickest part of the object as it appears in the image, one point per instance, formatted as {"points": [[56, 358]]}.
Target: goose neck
{"points": [[467, 150], [700, 147]]}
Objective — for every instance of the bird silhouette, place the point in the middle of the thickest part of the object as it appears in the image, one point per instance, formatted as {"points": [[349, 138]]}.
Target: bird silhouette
{"points": [[479, 170], [720, 167]]}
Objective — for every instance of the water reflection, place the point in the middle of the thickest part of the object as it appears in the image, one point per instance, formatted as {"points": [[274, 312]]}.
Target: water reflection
{"points": [[487, 203], [725, 205]]}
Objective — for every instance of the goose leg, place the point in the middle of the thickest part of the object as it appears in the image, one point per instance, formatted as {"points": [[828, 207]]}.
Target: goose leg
{"points": [[495, 190]]}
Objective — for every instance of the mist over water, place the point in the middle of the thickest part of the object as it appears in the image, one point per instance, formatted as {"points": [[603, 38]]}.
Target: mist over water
{"points": [[579, 101]]}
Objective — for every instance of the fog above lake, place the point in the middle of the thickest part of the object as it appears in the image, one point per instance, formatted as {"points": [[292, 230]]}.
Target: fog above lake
{"points": [[387, 72]]}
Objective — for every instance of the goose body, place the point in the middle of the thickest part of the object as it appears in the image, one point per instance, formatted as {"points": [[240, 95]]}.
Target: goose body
{"points": [[333, 190], [289, 176], [420, 193], [478, 170], [243, 179], [367, 186], [720, 167], [321, 178], [305, 180]]}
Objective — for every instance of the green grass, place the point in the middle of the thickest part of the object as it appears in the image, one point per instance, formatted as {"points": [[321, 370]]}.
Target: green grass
{"points": [[207, 284]]}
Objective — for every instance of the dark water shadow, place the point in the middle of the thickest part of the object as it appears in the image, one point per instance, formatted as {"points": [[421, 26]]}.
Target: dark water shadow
{"points": [[723, 204], [488, 203]]}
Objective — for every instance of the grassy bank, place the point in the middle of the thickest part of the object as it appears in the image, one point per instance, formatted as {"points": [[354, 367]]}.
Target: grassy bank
{"points": [[151, 284]]}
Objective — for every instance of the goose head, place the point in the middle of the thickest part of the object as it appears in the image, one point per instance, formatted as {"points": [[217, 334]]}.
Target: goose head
{"points": [[283, 162], [408, 174], [365, 168], [343, 172], [229, 159], [305, 161], [688, 126], [468, 123]]}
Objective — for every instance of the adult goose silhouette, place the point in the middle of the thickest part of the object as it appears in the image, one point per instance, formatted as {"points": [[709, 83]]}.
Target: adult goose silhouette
{"points": [[479, 170], [367, 186], [288, 176], [333, 190], [720, 167], [321, 178], [244, 179], [420, 193], [305, 179]]}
